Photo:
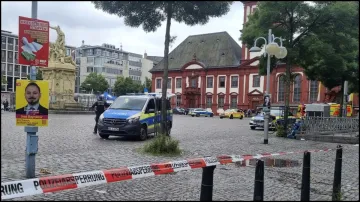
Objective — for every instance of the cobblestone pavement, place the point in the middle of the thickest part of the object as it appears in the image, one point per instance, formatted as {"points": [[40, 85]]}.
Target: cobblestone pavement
{"points": [[68, 146]]}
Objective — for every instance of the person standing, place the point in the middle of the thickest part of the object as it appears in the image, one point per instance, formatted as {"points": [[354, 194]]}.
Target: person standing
{"points": [[100, 108]]}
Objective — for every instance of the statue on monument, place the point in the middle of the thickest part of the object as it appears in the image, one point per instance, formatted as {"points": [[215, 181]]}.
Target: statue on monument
{"points": [[58, 50]]}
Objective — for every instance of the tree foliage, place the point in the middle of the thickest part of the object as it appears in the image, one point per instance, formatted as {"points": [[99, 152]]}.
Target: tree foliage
{"points": [[38, 74], [147, 83], [95, 82], [300, 24], [3, 80], [126, 85], [151, 14]]}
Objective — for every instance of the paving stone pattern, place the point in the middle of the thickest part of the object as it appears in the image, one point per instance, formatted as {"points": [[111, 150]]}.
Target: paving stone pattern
{"points": [[68, 146]]}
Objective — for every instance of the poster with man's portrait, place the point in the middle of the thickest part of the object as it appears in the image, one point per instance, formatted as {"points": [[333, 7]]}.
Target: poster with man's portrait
{"points": [[267, 101], [32, 103]]}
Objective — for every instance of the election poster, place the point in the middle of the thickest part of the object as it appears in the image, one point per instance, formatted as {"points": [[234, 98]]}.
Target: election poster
{"points": [[32, 103], [33, 42]]}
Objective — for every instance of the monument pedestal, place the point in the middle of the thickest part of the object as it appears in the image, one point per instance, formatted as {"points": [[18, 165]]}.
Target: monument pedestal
{"points": [[61, 77]]}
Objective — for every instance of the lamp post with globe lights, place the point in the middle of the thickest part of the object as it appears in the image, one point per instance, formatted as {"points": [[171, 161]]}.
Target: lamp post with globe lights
{"points": [[280, 52]]}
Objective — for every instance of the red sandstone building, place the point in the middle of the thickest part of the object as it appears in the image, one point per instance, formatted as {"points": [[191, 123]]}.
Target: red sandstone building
{"points": [[213, 71]]}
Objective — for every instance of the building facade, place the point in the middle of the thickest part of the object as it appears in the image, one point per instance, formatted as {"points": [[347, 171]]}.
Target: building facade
{"points": [[213, 71], [109, 61]]}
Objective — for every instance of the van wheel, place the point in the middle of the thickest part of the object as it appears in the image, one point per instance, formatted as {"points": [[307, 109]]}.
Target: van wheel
{"points": [[143, 134], [241, 117], [221, 117], [211, 115], [192, 115], [103, 136], [231, 117], [252, 127]]}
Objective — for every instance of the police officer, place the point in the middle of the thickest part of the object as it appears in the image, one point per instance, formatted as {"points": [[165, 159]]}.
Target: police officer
{"points": [[100, 108]]}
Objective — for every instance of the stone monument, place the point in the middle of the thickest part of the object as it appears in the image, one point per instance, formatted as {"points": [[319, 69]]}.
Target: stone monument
{"points": [[61, 74]]}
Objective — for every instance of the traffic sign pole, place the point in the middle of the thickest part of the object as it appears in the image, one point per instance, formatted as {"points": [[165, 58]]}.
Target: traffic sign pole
{"points": [[32, 138]]}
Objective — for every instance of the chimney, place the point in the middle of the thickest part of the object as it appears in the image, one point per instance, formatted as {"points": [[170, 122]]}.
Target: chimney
{"points": [[83, 43]]}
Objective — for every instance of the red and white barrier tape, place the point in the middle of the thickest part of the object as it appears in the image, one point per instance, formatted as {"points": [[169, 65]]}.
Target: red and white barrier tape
{"points": [[41, 185]]}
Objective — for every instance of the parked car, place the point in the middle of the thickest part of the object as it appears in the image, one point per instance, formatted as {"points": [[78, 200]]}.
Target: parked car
{"points": [[201, 112], [276, 114], [232, 113], [178, 110], [189, 111]]}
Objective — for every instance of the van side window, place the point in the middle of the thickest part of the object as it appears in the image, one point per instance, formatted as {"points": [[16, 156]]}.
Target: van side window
{"points": [[151, 104]]}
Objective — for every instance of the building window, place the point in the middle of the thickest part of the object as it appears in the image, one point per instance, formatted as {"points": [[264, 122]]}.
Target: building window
{"points": [[158, 83], [234, 81], [220, 101], [297, 88], [314, 90], [3, 67], [10, 67], [178, 100], [17, 68], [221, 81], [10, 55], [98, 51], [169, 83], [209, 82], [10, 40], [23, 69], [3, 40], [16, 58], [89, 51], [281, 93], [256, 81], [3, 56], [208, 101], [89, 69], [90, 60], [194, 82], [233, 104], [178, 82]]}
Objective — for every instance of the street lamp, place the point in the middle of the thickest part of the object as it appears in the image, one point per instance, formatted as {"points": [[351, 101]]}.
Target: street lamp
{"points": [[271, 48]]}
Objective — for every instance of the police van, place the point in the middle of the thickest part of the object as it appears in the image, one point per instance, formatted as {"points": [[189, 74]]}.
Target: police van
{"points": [[135, 115]]}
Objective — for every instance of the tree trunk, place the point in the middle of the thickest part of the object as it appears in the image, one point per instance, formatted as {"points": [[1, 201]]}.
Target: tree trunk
{"points": [[342, 98], [166, 64]]}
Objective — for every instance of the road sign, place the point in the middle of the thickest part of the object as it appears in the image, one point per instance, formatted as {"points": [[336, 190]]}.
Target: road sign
{"points": [[32, 103], [33, 42]]}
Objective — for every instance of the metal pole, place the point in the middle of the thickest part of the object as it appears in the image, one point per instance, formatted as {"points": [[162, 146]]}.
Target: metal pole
{"points": [[305, 184], [267, 111], [259, 181], [207, 183], [31, 138], [345, 98], [336, 195]]}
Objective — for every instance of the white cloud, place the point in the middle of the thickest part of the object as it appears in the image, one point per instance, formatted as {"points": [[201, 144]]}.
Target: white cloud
{"points": [[81, 21]]}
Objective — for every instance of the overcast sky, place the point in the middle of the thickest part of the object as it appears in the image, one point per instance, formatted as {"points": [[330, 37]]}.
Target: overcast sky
{"points": [[81, 21]]}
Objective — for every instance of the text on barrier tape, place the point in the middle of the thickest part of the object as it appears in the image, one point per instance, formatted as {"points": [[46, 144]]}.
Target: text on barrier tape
{"points": [[42, 185]]}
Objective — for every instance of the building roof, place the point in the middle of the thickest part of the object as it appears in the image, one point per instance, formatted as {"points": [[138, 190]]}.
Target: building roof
{"points": [[214, 50], [154, 58]]}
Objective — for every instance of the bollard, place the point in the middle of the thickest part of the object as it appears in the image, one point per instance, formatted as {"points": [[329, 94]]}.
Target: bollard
{"points": [[305, 184], [207, 183], [336, 195], [259, 181]]}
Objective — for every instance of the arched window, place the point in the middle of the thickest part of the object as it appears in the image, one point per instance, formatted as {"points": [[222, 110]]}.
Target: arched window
{"points": [[297, 88], [314, 90], [281, 93]]}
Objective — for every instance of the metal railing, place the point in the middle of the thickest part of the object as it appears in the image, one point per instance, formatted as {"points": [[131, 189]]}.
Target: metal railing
{"points": [[329, 125]]}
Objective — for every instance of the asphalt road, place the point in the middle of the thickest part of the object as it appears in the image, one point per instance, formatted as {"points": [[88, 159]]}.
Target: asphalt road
{"points": [[67, 146]]}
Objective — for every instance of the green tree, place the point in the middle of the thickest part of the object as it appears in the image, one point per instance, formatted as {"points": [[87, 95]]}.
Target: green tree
{"points": [[3, 80], [151, 14], [295, 22], [95, 82], [126, 85], [38, 74], [147, 84]]}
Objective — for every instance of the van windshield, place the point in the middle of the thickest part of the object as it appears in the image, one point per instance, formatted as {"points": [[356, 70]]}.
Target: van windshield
{"points": [[129, 103]]}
